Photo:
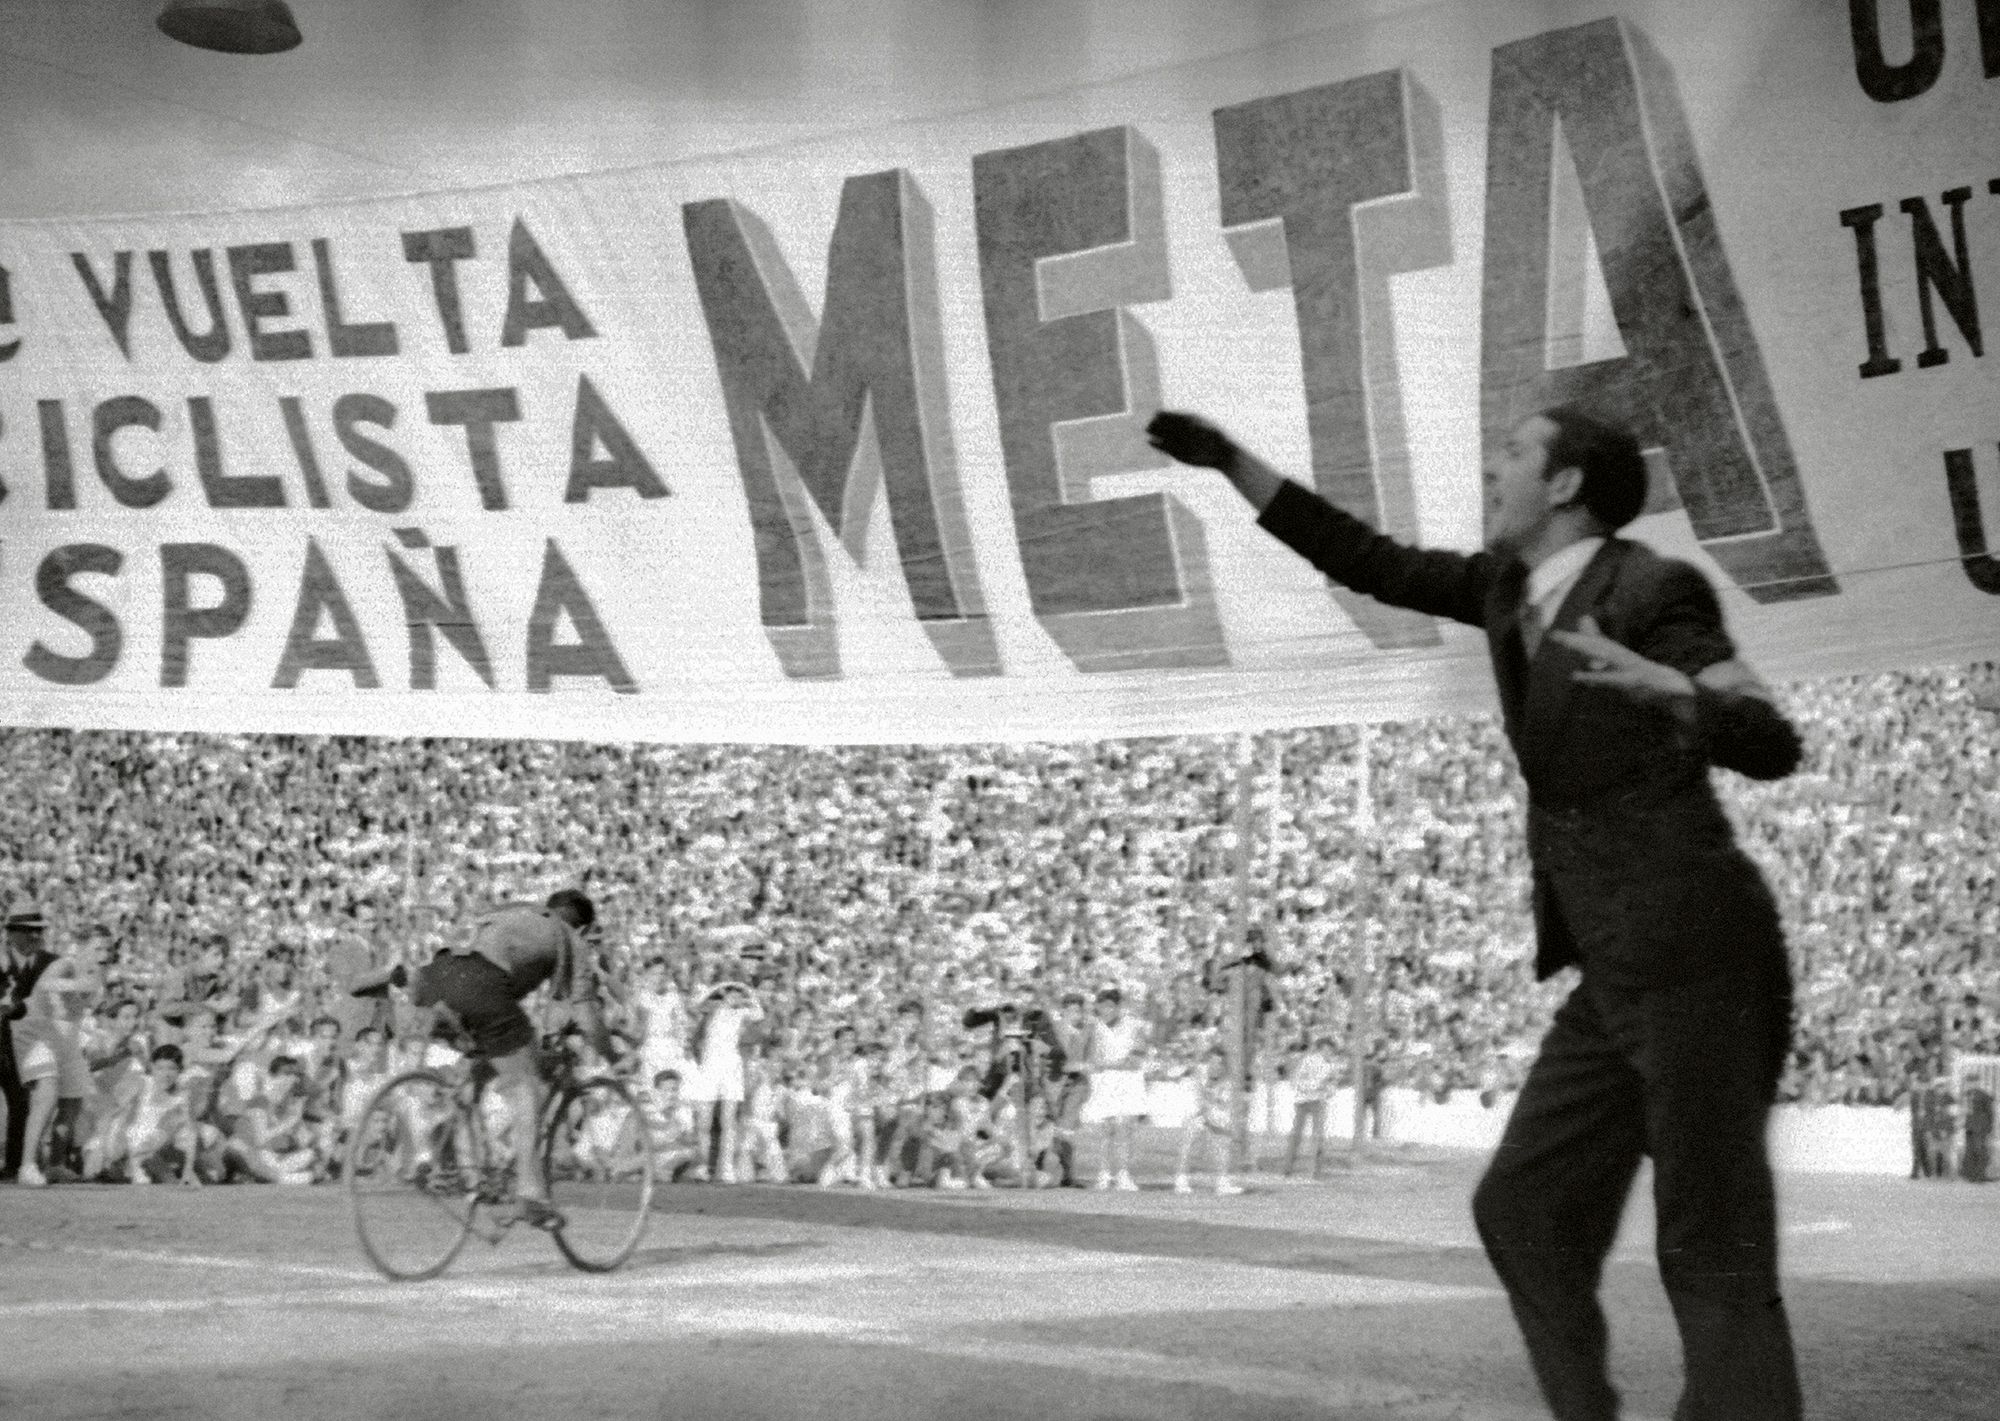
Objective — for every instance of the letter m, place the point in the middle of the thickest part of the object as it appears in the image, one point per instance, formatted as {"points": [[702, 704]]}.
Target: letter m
{"points": [[829, 415]]}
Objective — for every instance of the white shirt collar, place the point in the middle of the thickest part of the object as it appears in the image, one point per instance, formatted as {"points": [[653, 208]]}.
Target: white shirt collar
{"points": [[1554, 574]]}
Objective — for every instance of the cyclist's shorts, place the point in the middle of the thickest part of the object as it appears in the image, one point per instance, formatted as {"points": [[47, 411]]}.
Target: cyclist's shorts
{"points": [[478, 991]]}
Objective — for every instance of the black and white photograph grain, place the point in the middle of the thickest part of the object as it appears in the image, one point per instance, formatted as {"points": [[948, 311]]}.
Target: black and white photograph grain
{"points": [[1009, 710]]}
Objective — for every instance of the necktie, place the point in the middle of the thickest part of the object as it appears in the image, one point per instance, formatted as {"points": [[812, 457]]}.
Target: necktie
{"points": [[1531, 627]]}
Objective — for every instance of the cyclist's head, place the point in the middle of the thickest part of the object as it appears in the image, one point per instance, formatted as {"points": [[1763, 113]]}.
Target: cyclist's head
{"points": [[573, 906]]}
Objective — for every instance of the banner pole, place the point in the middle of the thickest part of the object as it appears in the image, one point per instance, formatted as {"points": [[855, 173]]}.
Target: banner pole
{"points": [[1232, 1030], [1358, 1016]]}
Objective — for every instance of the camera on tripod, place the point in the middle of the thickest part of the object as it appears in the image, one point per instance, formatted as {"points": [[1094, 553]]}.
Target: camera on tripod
{"points": [[1013, 1021]]}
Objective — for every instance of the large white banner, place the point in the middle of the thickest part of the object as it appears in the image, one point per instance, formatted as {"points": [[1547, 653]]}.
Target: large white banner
{"points": [[839, 441]]}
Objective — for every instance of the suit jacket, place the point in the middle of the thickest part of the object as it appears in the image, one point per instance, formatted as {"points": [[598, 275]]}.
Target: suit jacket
{"points": [[1637, 876]]}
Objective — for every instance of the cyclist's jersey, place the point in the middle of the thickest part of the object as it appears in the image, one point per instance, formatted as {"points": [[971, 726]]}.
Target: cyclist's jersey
{"points": [[531, 945]]}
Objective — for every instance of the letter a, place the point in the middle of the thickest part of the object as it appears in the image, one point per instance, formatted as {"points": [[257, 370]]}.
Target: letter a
{"points": [[1692, 383]]}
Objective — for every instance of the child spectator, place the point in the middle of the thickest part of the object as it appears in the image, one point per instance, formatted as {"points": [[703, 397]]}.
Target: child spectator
{"points": [[1312, 1083], [161, 1139], [847, 1088], [1209, 1123], [938, 1142], [811, 1140], [671, 1120], [271, 1140], [761, 1152], [874, 1104]]}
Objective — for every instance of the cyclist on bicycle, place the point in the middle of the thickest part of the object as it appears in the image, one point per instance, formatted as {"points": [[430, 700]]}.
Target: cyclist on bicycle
{"points": [[513, 950]]}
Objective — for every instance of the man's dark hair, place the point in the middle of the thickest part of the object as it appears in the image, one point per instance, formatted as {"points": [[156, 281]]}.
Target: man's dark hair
{"points": [[573, 903], [169, 1052], [1613, 468]]}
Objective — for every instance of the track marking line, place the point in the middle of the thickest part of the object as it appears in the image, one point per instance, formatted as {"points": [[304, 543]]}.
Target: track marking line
{"points": [[638, 1296]]}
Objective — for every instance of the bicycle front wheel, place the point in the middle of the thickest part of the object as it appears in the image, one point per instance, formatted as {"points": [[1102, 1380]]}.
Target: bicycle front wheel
{"points": [[597, 1151], [414, 1169]]}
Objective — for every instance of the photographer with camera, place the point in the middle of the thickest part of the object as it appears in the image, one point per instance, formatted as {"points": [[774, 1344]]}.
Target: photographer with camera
{"points": [[1040, 1045], [1069, 1026], [1021, 1040], [1018, 1031]]}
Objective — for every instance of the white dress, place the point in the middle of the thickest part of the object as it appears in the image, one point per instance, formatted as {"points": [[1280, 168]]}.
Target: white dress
{"points": [[1117, 1084]]}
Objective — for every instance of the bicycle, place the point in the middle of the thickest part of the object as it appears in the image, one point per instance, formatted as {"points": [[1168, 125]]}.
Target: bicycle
{"points": [[426, 1168]]}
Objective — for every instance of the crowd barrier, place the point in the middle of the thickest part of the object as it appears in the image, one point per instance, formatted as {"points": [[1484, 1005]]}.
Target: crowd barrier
{"points": [[1811, 1139]]}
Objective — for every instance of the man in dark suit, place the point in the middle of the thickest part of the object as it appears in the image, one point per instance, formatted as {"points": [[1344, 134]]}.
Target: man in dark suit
{"points": [[1619, 688]]}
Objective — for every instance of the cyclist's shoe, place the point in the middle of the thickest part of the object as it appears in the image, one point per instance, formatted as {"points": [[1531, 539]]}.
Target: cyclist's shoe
{"points": [[378, 982], [538, 1212]]}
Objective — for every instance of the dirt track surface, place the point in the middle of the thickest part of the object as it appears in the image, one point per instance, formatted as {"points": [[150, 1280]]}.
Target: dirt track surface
{"points": [[1363, 1296]]}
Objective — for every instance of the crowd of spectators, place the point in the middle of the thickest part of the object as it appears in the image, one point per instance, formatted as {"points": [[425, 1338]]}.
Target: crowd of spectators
{"points": [[237, 882]]}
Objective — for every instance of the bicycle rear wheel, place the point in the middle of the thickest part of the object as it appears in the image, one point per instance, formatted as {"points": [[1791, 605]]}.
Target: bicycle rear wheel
{"points": [[597, 1151], [414, 1168]]}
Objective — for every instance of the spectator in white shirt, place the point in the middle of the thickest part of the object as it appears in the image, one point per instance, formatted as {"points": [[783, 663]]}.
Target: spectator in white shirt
{"points": [[729, 1009]]}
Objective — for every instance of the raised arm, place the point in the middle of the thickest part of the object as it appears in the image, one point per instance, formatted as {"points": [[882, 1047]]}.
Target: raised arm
{"points": [[1439, 583]]}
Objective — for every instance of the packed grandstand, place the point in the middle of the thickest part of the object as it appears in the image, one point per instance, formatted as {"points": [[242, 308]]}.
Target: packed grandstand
{"points": [[235, 872]]}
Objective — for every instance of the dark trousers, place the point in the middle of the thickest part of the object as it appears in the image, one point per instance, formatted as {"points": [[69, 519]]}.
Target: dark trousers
{"points": [[16, 1096], [1685, 1074]]}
